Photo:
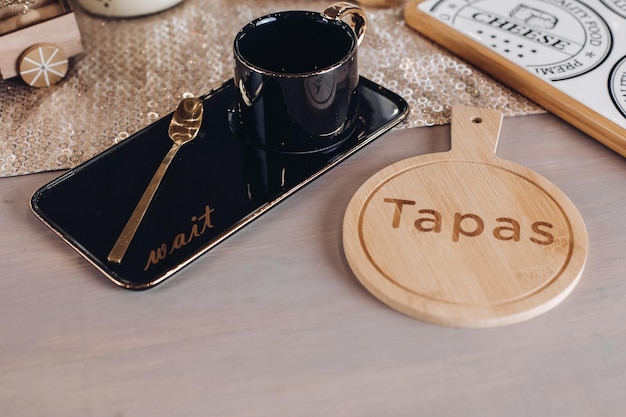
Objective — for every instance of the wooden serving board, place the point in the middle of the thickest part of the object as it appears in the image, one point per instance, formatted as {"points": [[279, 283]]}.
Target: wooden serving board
{"points": [[465, 238], [569, 57]]}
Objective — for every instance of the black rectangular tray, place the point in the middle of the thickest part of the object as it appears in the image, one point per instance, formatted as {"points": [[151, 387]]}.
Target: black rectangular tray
{"points": [[216, 185]]}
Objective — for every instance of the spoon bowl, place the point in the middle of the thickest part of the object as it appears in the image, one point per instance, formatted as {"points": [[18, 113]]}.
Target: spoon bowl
{"points": [[186, 121]]}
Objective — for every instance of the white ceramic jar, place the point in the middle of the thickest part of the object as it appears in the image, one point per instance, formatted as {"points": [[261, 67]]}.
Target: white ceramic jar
{"points": [[126, 8]]}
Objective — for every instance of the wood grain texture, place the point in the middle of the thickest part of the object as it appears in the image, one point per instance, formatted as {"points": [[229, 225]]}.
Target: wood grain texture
{"points": [[543, 93], [378, 3], [273, 323], [13, 17], [464, 238], [61, 31]]}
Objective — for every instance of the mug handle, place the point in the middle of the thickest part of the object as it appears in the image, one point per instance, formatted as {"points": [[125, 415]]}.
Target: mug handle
{"points": [[358, 21]]}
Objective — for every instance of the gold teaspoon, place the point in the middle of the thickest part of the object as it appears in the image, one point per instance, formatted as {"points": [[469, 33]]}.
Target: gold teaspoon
{"points": [[184, 127]]}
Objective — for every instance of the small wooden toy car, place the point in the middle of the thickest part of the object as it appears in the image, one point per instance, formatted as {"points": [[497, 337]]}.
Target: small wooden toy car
{"points": [[36, 39]]}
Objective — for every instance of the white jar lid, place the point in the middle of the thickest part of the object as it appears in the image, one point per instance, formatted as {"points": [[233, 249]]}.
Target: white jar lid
{"points": [[125, 8]]}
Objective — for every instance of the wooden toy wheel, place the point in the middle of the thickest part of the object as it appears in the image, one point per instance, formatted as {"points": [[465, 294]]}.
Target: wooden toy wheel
{"points": [[43, 65]]}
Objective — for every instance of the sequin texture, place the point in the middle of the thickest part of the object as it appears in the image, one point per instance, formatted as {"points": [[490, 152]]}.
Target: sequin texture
{"points": [[135, 71]]}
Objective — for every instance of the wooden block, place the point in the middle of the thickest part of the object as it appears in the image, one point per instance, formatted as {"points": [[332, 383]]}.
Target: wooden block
{"points": [[61, 31], [464, 238]]}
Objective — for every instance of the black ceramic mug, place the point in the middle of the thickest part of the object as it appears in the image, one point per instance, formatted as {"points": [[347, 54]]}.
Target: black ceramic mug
{"points": [[297, 78]]}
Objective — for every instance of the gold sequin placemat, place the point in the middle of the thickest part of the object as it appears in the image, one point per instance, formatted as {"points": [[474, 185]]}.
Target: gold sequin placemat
{"points": [[135, 71]]}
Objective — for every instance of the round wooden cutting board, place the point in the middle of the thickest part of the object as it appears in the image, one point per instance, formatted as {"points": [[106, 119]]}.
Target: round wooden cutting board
{"points": [[464, 238]]}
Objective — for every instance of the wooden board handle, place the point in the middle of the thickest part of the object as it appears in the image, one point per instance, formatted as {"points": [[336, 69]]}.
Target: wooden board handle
{"points": [[475, 133]]}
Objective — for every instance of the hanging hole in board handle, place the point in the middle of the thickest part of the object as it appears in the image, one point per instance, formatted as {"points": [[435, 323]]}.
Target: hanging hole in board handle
{"points": [[357, 20], [477, 120]]}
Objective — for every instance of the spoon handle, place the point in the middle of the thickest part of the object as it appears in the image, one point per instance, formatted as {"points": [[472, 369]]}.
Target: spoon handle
{"points": [[124, 239]]}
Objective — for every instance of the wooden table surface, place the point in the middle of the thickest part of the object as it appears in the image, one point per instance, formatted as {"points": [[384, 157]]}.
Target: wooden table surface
{"points": [[273, 323]]}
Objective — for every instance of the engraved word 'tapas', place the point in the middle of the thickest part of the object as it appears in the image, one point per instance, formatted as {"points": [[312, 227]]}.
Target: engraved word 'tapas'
{"points": [[200, 225], [471, 225]]}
